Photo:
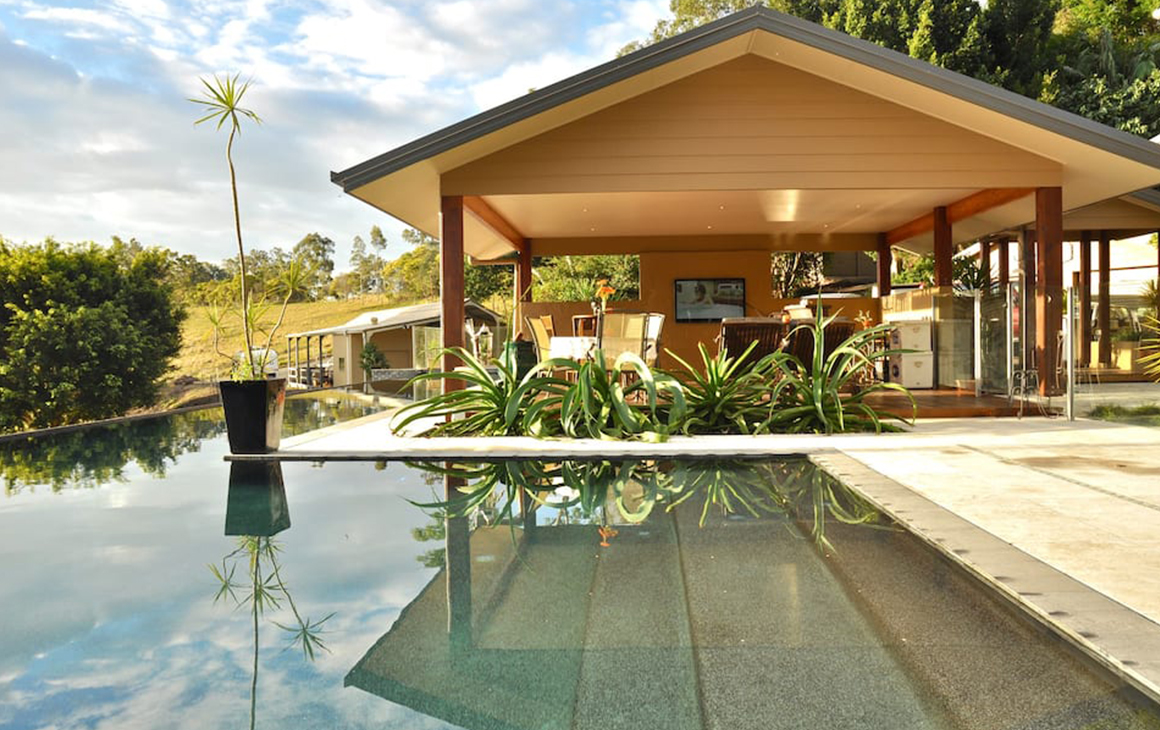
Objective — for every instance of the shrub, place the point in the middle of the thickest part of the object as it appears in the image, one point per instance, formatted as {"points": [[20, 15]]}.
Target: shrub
{"points": [[727, 394], [822, 398]]}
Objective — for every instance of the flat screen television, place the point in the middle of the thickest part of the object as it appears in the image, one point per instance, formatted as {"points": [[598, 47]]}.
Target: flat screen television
{"points": [[708, 300]]}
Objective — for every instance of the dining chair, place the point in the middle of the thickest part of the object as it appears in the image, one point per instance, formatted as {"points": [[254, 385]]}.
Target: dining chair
{"points": [[549, 324], [623, 332], [738, 333], [540, 336], [584, 325]]}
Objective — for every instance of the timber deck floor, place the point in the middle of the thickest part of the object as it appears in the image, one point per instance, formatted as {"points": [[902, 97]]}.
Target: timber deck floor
{"points": [[948, 404]]}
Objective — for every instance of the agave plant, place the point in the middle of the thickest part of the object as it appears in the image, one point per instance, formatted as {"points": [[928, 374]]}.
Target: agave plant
{"points": [[727, 394], [597, 405], [1150, 346], [819, 399], [500, 405]]}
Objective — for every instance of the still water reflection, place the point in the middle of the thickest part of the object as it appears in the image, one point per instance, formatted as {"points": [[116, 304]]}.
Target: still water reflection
{"points": [[573, 595], [97, 455]]}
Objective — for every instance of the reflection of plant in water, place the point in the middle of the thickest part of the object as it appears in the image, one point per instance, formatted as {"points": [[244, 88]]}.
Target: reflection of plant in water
{"points": [[265, 589], [794, 488], [731, 485], [97, 455], [815, 495], [436, 531]]}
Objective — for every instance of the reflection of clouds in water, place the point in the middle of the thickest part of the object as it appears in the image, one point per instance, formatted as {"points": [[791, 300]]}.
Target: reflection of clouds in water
{"points": [[125, 627]]}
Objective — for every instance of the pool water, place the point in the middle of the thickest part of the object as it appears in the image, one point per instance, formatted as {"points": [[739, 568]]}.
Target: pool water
{"points": [[636, 595]]}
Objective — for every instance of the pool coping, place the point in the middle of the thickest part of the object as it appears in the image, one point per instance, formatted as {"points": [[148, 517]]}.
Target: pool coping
{"points": [[1118, 639]]}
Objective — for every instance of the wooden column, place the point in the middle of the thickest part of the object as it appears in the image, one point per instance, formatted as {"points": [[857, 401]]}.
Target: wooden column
{"points": [[1049, 285], [944, 249], [1027, 296], [309, 382], [1104, 312], [1004, 262], [1085, 298], [885, 259], [523, 284], [451, 281], [985, 259]]}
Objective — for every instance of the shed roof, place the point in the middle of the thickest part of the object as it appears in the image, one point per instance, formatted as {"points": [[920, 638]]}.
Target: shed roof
{"points": [[416, 315]]}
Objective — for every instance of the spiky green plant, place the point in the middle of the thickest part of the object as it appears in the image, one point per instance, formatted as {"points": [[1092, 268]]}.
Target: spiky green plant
{"points": [[821, 398], [598, 405], [726, 394], [499, 405], [1150, 346], [223, 99]]}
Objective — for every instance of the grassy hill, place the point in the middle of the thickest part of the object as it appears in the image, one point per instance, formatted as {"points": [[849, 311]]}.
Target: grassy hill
{"points": [[199, 360]]}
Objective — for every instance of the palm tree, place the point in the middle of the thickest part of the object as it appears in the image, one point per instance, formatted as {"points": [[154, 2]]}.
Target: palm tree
{"points": [[223, 97]]}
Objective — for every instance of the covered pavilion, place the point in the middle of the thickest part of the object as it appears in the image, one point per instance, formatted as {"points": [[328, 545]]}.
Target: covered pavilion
{"points": [[756, 133]]}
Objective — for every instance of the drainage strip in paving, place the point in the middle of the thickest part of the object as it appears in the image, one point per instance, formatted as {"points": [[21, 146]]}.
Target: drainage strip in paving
{"points": [[1117, 638]]}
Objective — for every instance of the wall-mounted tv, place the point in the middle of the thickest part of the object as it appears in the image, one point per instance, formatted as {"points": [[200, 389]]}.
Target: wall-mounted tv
{"points": [[709, 300]]}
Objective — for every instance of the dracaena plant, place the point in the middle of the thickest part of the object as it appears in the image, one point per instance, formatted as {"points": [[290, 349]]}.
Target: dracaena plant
{"points": [[222, 102]]}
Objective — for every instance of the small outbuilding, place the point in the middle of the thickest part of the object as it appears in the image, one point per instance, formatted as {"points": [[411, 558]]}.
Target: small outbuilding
{"points": [[408, 337]]}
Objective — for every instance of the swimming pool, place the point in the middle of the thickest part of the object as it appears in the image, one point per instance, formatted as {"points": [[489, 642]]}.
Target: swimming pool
{"points": [[601, 607]]}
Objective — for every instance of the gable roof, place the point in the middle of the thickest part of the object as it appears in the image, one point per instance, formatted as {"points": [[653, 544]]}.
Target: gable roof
{"points": [[405, 181], [752, 19]]}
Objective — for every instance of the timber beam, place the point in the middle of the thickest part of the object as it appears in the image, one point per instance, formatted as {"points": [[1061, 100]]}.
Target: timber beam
{"points": [[493, 221], [959, 210]]}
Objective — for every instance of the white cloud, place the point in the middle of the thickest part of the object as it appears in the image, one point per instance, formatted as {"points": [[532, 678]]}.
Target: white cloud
{"points": [[97, 123], [82, 16]]}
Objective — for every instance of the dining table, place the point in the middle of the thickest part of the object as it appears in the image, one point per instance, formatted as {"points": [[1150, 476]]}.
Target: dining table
{"points": [[573, 348]]}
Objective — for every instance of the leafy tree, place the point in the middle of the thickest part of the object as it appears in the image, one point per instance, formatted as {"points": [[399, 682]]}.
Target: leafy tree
{"points": [[573, 278], [414, 275], [317, 253], [1018, 38], [85, 336], [367, 265], [795, 272]]}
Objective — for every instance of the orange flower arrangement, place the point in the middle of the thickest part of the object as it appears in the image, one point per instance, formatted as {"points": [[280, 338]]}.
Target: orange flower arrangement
{"points": [[603, 291]]}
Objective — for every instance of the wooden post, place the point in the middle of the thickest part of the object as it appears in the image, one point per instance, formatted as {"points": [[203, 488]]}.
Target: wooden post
{"points": [[1027, 296], [944, 249], [1104, 313], [451, 281], [309, 381], [1049, 285], [985, 259], [523, 279], [885, 258], [1004, 262], [1085, 298]]}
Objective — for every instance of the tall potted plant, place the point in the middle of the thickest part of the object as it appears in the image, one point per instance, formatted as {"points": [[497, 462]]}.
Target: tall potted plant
{"points": [[252, 402]]}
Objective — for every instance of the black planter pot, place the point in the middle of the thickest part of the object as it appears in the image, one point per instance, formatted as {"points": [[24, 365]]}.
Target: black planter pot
{"points": [[253, 411], [256, 504]]}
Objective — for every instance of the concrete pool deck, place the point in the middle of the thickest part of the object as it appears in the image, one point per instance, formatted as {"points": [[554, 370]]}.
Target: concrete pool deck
{"points": [[1063, 517]]}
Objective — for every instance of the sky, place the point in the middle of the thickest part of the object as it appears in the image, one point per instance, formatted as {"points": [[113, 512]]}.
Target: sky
{"points": [[98, 136]]}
